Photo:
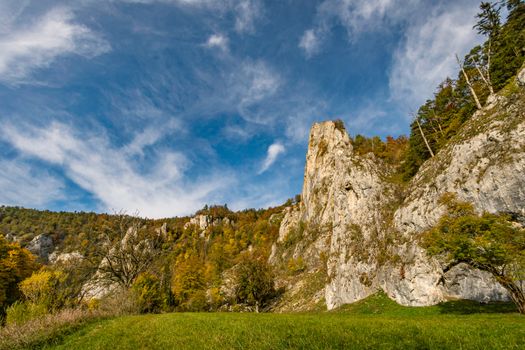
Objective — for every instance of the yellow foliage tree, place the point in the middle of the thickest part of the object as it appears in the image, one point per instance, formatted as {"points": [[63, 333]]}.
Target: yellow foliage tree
{"points": [[16, 264], [43, 288]]}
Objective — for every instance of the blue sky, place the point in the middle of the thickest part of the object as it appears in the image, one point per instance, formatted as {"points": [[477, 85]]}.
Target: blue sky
{"points": [[161, 106]]}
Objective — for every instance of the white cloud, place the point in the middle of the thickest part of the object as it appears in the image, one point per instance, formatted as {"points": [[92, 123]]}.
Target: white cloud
{"points": [[111, 174], [218, 41], [213, 3], [426, 56], [9, 12], [149, 137], [247, 13], [255, 82], [25, 49], [356, 16], [22, 185], [273, 152], [310, 42]]}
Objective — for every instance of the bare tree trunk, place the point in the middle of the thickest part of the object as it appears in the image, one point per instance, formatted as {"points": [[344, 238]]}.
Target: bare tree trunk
{"points": [[436, 118], [424, 138], [478, 104], [516, 294], [489, 54], [485, 80]]}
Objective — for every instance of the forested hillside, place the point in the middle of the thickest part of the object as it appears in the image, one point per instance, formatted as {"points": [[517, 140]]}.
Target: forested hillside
{"points": [[185, 270]]}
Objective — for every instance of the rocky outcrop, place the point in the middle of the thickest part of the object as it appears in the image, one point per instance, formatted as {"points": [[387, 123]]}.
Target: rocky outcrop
{"points": [[42, 245], [65, 258], [484, 165], [340, 212], [366, 230], [202, 222], [520, 78]]}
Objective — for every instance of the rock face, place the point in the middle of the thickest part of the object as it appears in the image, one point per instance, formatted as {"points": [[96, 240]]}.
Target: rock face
{"points": [[484, 165], [42, 245], [362, 228], [520, 78], [204, 221], [65, 258], [340, 214]]}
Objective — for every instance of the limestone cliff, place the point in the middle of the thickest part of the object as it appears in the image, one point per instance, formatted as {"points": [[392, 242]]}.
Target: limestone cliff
{"points": [[361, 229]]}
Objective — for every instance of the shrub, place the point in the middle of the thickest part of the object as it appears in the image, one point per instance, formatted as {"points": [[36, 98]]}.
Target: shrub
{"points": [[21, 312], [340, 125], [196, 302], [296, 266], [146, 290], [39, 331], [214, 298], [44, 288], [120, 302], [255, 282]]}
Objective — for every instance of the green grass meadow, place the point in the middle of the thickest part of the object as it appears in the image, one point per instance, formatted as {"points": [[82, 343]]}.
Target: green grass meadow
{"points": [[374, 323]]}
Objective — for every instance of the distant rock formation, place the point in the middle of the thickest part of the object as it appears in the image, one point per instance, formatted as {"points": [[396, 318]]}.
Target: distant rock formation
{"points": [[42, 245]]}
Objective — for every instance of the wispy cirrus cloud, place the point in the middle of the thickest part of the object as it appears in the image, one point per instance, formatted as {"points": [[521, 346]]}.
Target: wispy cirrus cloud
{"points": [[111, 175], [260, 82], [21, 184], [311, 42], [426, 56], [356, 16], [26, 48], [247, 12]]}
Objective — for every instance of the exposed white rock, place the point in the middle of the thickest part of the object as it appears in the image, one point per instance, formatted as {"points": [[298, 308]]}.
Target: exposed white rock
{"points": [[202, 222], [162, 231], [466, 283], [485, 167], [98, 287], [42, 245], [289, 222], [11, 238], [65, 258], [341, 195], [520, 78]]}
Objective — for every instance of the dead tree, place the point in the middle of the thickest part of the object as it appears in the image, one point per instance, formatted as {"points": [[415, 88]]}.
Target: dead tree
{"points": [[471, 88], [127, 250], [416, 117], [486, 79]]}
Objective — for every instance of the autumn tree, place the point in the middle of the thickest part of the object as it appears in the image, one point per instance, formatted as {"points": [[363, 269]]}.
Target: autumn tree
{"points": [[488, 242], [46, 288], [188, 279], [126, 250], [16, 264], [147, 292], [254, 282]]}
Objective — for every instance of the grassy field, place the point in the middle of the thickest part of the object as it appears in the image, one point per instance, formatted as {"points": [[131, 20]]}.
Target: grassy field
{"points": [[375, 323]]}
